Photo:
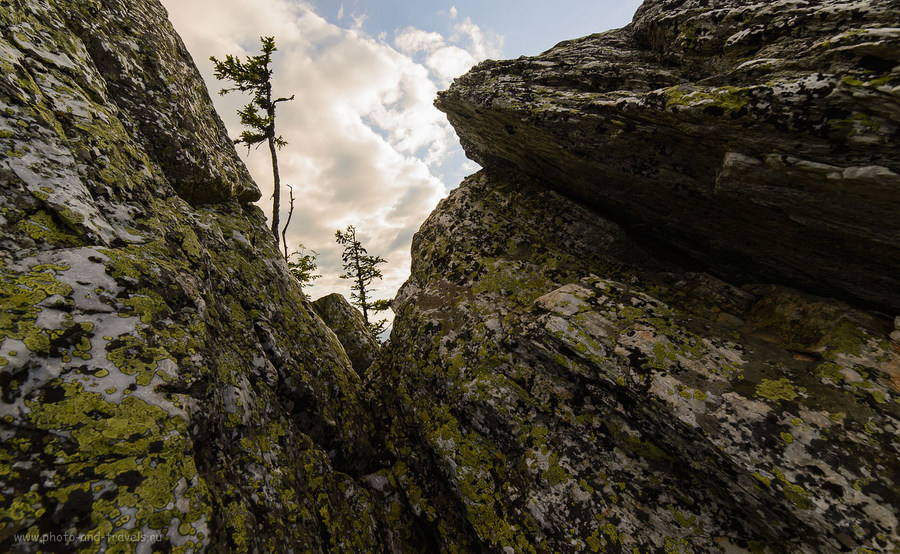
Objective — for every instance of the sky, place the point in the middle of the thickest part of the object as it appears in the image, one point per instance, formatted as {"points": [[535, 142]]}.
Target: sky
{"points": [[366, 147]]}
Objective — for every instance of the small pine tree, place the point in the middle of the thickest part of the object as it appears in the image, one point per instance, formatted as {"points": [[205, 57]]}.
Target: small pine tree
{"points": [[254, 76], [303, 266], [362, 269]]}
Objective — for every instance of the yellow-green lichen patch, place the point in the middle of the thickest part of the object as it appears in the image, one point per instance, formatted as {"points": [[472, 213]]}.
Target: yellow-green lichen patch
{"points": [[134, 356], [147, 305], [20, 298], [729, 99], [765, 481], [123, 463], [796, 494], [782, 389], [43, 227]]}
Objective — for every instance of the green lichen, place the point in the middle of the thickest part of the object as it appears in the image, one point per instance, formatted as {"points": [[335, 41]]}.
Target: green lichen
{"points": [[782, 389], [133, 356], [796, 494], [147, 304], [764, 480], [20, 296], [131, 438], [730, 99], [42, 227]]}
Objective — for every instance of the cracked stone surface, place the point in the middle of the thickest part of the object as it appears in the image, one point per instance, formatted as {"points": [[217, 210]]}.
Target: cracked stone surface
{"points": [[162, 374], [756, 138]]}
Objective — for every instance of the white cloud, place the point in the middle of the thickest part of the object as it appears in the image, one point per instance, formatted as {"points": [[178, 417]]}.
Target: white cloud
{"points": [[411, 41], [450, 62], [366, 145], [449, 57], [359, 20], [481, 44], [341, 12]]}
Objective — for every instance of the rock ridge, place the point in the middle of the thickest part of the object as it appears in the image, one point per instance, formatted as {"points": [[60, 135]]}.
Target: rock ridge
{"points": [[643, 326], [757, 138]]}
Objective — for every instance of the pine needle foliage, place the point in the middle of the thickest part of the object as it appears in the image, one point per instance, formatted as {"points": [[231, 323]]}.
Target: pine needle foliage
{"points": [[302, 265], [362, 268], [254, 76]]}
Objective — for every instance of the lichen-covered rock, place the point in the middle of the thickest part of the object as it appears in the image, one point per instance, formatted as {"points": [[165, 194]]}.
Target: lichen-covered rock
{"points": [[758, 138], [555, 382], [554, 386], [351, 330], [559, 383], [163, 378]]}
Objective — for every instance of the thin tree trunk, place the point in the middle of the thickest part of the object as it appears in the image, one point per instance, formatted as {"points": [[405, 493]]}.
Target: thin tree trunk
{"points": [[359, 281], [276, 196]]}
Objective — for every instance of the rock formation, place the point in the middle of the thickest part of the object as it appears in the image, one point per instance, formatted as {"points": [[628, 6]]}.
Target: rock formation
{"points": [[162, 375], [350, 327], [588, 356], [758, 139], [661, 319]]}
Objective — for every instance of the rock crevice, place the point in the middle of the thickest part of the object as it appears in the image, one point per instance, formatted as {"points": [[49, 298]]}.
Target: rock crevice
{"points": [[643, 327]]}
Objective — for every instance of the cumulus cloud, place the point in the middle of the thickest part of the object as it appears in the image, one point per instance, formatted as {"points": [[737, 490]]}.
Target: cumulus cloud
{"points": [[449, 57], [411, 40], [481, 44], [366, 146]]}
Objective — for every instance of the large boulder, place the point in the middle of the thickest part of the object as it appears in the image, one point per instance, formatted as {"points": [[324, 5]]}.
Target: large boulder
{"points": [[757, 138], [619, 335], [163, 378], [553, 386], [351, 330]]}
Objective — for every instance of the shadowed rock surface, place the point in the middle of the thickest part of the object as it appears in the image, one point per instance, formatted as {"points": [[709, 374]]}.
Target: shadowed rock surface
{"points": [[350, 327], [759, 139], [561, 382], [556, 387], [162, 374]]}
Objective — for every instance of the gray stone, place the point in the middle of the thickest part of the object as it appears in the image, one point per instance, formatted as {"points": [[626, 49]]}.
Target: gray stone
{"points": [[756, 138], [590, 354], [550, 389], [161, 373], [350, 327]]}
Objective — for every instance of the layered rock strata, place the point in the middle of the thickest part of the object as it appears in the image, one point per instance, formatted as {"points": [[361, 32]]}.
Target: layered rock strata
{"points": [[611, 339], [759, 139], [556, 387]]}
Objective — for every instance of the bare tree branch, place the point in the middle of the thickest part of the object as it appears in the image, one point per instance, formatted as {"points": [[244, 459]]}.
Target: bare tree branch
{"points": [[288, 222]]}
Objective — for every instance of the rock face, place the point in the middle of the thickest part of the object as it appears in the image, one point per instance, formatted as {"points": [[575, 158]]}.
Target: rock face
{"points": [[556, 390], [350, 327], [561, 382], [758, 139], [162, 375]]}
